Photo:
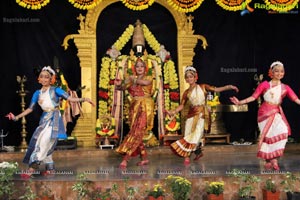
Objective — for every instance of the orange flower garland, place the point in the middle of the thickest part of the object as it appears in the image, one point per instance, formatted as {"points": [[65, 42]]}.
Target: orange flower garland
{"points": [[137, 4], [185, 5], [281, 5], [84, 4], [233, 5], [32, 4]]}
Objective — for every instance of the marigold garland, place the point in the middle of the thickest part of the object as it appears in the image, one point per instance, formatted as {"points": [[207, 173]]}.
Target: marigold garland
{"points": [[84, 4], [185, 6], [32, 4], [233, 5], [137, 4], [281, 5]]}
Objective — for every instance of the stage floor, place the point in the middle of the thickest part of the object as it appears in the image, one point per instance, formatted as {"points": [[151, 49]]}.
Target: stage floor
{"points": [[102, 168], [218, 160]]}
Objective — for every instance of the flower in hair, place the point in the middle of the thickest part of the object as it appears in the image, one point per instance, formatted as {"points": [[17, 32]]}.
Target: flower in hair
{"points": [[49, 69], [275, 64]]}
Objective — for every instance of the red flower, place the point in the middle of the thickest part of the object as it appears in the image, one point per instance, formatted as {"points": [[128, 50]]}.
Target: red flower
{"points": [[103, 95], [174, 96], [166, 86]]}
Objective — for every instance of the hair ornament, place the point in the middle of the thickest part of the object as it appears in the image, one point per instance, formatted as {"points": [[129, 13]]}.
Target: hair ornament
{"points": [[190, 68], [49, 69], [275, 64]]}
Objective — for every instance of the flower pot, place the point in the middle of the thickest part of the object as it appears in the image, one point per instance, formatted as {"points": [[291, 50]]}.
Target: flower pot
{"points": [[215, 197], [247, 198], [293, 195], [153, 198], [46, 198], [268, 195]]}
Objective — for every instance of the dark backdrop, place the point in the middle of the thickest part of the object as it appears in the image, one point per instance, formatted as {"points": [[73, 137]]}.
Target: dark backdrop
{"points": [[246, 43]]}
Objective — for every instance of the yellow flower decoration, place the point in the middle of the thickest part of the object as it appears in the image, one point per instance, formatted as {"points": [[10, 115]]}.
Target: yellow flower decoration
{"points": [[137, 4], [124, 38], [32, 4], [153, 43], [85, 4], [233, 5], [185, 6], [281, 5]]}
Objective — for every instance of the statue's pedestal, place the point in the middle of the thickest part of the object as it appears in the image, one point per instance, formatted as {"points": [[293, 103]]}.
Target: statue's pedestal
{"points": [[218, 133]]}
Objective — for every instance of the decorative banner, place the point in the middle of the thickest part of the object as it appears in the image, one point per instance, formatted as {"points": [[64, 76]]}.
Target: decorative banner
{"points": [[185, 5], [33, 4], [137, 4], [233, 5], [281, 5], [84, 4]]}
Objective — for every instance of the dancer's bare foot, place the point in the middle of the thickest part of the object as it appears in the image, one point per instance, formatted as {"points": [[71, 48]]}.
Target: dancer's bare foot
{"points": [[123, 164], [143, 162], [268, 166], [275, 164], [48, 173], [28, 173], [186, 161]]}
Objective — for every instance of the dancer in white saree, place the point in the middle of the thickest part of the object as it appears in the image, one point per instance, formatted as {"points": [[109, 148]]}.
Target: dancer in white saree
{"points": [[272, 122], [51, 127], [195, 96]]}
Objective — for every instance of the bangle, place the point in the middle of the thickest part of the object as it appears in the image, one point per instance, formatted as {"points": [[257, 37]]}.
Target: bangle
{"points": [[16, 118]]}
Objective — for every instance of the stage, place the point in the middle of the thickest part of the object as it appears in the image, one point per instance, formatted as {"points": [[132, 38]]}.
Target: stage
{"points": [[102, 167]]}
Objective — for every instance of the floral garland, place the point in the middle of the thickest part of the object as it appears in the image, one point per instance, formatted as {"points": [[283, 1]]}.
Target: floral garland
{"points": [[233, 5], [137, 4], [153, 43], [32, 4], [185, 5], [84, 4], [171, 94], [124, 38], [281, 5]]}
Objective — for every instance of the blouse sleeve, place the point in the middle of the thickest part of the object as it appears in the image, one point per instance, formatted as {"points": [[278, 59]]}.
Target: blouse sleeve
{"points": [[61, 93], [290, 93], [34, 99], [184, 97], [261, 88]]}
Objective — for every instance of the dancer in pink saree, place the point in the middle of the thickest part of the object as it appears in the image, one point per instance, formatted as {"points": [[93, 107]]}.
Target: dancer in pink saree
{"points": [[272, 122]]}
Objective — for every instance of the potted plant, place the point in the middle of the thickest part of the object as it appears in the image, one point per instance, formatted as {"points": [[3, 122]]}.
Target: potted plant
{"points": [[156, 193], [270, 191], [179, 186], [290, 185], [7, 171], [215, 190], [246, 183], [46, 193], [81, 186], [99, 194], [29, 193]]}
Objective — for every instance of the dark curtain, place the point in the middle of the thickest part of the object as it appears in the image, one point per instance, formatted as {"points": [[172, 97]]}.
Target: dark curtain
{"points": [[246, 43]]}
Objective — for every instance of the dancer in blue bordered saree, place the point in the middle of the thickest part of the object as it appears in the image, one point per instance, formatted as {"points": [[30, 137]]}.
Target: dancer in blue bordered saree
{"points": [[51, 127]]}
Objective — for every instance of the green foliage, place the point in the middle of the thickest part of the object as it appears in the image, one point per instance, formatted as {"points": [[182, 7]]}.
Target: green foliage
{"points": [[29, 194], [246, 182], [81, 186], [7, 171], [216, 188], [179, 186], [270, 185], [156, 191], [290, 181]]}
